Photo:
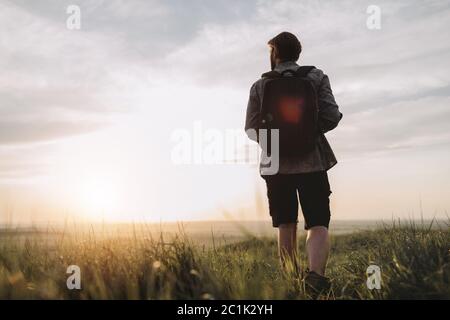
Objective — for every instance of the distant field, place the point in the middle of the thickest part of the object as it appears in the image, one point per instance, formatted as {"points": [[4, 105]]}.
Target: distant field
{"points": [[199, 232], [220, 260]]}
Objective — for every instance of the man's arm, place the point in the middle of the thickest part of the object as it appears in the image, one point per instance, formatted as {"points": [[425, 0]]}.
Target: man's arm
{"points": [[329, 114], [252, 116]]}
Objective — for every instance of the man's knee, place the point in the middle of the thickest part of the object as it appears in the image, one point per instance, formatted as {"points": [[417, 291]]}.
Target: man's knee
{"points": [[317, 231], [288, 226]]}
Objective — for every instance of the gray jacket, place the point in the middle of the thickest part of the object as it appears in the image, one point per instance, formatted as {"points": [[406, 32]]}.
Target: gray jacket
{"points": [[322, 157]]}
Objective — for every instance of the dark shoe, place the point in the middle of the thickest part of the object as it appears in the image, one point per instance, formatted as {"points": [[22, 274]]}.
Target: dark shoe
{"points": [[315, 284]]}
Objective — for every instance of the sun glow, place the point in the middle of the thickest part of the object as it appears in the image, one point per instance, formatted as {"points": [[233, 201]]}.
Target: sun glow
{"points": [[98, 197]]}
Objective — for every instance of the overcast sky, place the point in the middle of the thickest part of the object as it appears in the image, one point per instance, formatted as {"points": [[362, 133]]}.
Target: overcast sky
{"points": [[86, 116]]}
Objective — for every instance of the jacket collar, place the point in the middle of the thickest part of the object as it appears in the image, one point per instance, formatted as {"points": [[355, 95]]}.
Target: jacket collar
{"points": [[287, 65]]}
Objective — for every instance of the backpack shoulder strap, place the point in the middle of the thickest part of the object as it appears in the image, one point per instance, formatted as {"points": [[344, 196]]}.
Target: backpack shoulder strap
{"points": [[301, 72], [271, 74], [304, 70]]}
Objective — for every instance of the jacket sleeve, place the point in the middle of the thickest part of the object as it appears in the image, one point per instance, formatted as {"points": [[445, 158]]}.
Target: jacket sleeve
{"points": [[329, 114], [253, 111]]}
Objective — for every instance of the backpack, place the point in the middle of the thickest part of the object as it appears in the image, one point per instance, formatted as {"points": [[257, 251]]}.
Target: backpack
{"points": [[289, 104]]}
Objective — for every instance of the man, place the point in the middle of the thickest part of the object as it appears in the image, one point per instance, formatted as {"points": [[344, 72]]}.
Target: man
{"points": [[303, 175]]}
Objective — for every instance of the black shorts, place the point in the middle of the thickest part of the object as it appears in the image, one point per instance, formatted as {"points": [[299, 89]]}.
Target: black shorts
{"points": [[313, 191]]}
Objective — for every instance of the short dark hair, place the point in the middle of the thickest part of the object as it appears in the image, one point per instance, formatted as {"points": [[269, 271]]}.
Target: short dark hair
{"points": [[287, 47]]}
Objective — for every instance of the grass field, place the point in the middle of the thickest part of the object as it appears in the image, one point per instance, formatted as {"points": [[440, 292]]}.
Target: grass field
{"points": [[414, 262]]}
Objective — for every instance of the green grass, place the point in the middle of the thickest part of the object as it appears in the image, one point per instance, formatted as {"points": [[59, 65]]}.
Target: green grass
{"points": [[414, 262]]}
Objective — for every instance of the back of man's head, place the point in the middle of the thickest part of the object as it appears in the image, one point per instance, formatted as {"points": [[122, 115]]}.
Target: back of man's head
{"points": [[286, 47]]}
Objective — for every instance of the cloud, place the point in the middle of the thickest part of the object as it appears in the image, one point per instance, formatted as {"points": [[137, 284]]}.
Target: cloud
{"points": [[140, 56], [55, 82], [27, 132], [416, 123]]}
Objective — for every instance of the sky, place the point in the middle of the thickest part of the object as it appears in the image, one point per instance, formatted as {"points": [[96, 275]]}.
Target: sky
{"points": [[92, 119]]}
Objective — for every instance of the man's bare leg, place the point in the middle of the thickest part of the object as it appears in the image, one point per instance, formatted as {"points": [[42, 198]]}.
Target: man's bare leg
{"points": [[287, 243], [317, 247]]}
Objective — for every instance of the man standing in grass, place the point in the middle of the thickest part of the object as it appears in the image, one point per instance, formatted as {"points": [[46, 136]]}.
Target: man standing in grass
{"points": [[302, 165]]}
